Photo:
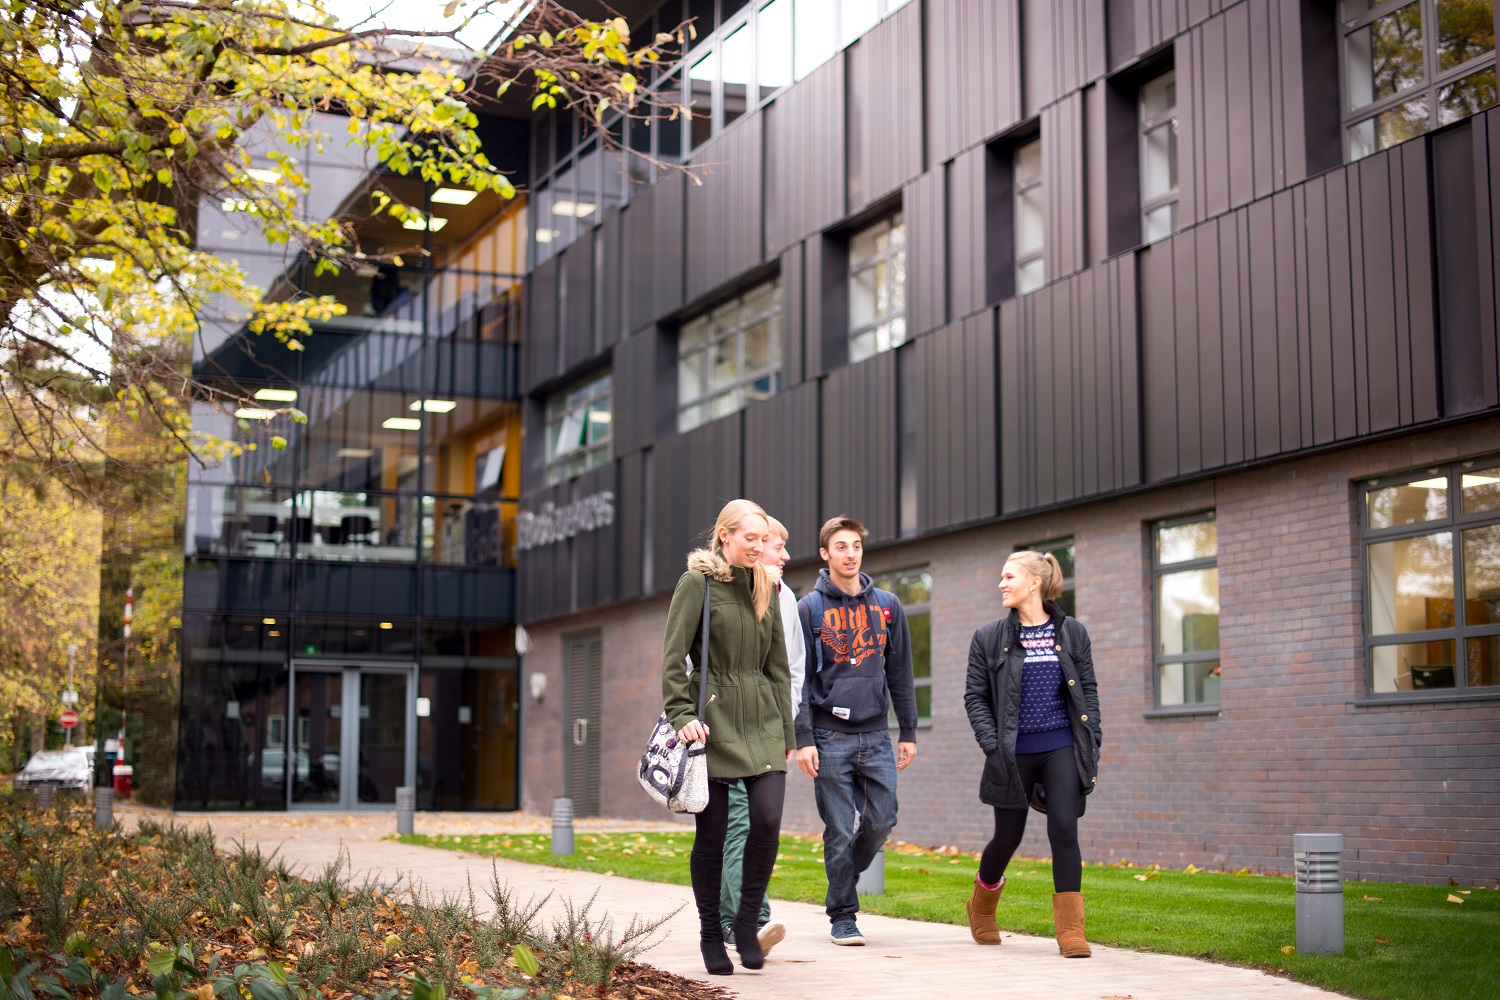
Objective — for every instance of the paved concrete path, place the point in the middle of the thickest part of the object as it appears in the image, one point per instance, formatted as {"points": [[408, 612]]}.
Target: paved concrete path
{"points": [[904, 959]]}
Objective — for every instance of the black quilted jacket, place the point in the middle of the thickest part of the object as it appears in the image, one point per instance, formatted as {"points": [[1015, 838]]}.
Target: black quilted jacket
{"points": [[992, 697]]}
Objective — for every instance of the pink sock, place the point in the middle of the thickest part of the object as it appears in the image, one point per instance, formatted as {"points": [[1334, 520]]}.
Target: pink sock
{"points": [[987, 885]]}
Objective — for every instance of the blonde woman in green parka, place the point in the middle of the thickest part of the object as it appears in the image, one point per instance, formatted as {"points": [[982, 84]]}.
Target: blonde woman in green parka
{"points": [[748, 729]]}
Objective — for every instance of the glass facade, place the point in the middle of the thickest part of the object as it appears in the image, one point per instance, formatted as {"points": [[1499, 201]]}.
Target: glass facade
{"points": [[348, 584]]}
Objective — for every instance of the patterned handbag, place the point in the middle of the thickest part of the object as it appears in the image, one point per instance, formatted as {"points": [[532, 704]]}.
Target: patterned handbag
{"points": [[672, 772]]}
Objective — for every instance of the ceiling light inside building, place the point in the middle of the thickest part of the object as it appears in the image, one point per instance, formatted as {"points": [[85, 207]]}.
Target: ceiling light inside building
{"points": [[546, 235], [1441, 483], [402, 424], [387, 625], [418, 221], [600, 416], [576, 209], [1471, 481], [453, 196], [356, 452], [434, 405], [277, 395], [254, 413], [268, 621]]}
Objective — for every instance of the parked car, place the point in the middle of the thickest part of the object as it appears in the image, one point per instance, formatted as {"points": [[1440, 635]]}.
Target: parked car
{"points": [[58, 768]]}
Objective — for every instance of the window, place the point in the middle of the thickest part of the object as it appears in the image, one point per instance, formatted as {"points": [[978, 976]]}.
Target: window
{"points": [[1031, 270], [1429, 537], [913, 587], [730, 357], [1411, 67], [877, 288], [579, 422], [1158, 105], [701, 77], [1062, 551], [1186, 576]]}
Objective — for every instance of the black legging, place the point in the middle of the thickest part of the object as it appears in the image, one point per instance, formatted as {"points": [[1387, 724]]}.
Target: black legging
{"points": [[766, 793], [1057, 771]]}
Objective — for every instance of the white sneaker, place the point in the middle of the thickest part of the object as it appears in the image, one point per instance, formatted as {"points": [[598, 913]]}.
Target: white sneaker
{"points": [[772, 933]]}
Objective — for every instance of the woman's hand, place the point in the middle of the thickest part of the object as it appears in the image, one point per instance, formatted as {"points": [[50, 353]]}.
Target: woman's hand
{"points": [[693, 732], [789, 755]]}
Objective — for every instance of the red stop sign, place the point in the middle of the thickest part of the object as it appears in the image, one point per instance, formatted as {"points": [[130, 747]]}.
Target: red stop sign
{"points": [[69, 718]]}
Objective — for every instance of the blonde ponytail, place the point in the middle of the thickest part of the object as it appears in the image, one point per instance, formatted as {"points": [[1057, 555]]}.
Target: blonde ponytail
{"points": [[1045, 567]]}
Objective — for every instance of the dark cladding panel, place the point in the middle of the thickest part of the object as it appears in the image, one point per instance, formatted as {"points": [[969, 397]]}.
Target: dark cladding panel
{"points": [[1064, 47], [804, 138], [638, 388], [545, 578], [793, 325], [859, 432], [667, 277], [1069, 389], [924, 206], [1158, 361], [1062, 170], [966, 277], [594, 560], [1461, 188], [1373, 204], [609, 277], [692, 476], [653, 235], [1421, 304], [575, 296], [539, 350], [630, 517], [884, 119], [973, 73], [956, 424], [781, 463], [724, 212]]}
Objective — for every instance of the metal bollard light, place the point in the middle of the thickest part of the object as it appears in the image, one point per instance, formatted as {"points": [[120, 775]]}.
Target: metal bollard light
{"points": [[562, 826], [872, 880], [1320, 893], [104, 808], [44, 796], [406, 807]]}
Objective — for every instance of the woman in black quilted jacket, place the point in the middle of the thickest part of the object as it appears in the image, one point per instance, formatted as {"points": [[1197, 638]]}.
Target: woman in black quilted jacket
{"points": [[1034, 707]]}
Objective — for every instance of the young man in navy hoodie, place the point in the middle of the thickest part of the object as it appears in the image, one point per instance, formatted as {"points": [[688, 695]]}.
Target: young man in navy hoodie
{"points": [[858, 664]]}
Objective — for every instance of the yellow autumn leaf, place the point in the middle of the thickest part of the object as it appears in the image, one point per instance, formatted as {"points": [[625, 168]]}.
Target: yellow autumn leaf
{"points": [[1455, 899], [1192, 869], [1289, 949]]}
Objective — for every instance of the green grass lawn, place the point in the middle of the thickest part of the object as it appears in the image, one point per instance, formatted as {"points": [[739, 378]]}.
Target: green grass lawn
{"points": [[1401, 941]]}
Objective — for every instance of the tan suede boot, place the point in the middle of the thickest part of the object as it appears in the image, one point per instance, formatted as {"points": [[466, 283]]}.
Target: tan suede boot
{"points": [[981, 909], [1067, 924]]}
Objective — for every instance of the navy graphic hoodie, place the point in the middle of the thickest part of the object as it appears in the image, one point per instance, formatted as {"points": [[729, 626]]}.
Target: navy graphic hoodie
{"points": [[865, 661]]}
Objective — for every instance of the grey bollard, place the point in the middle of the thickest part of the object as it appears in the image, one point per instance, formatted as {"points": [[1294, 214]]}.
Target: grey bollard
{"points": [[104, 808], [562, 826], [1320, 893], [44, 796], [872, 879], [406, 807]]}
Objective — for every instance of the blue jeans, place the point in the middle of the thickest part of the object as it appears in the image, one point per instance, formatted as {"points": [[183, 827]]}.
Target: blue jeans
{"points": [[856, 794]]}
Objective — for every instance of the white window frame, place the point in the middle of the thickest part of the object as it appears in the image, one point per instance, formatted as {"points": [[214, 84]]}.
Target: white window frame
{"points": [[1165, 120], [726, 327], [588, 405], [893, 259], [1025, 186]]}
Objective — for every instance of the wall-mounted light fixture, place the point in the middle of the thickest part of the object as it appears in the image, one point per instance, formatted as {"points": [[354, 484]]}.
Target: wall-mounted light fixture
{"points": [[538, 685]]}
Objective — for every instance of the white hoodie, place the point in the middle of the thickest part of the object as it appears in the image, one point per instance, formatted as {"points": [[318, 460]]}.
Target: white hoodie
{"points": [[796, 646]]}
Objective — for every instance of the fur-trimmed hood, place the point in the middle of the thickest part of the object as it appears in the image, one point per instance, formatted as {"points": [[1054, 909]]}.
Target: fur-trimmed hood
{"points": [[710, 562]]}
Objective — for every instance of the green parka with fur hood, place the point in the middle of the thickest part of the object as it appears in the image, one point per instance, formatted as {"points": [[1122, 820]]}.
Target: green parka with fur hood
{"points": [[749, 716]]}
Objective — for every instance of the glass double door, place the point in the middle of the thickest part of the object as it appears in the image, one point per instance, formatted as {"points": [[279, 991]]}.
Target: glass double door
{"points": [[353, 732]]}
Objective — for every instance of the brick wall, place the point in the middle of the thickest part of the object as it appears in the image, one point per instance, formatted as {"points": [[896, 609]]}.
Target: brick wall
{"points": [[1414, 788]]}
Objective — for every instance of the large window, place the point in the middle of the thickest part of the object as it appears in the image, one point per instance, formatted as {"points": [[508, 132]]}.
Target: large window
{"points": [[1430, 537], [1031, 269], [1158, 122], [730, 357], [913, 587], [1185, 571], [579, 425], [1062, 550], [1411, 67], [877, 288]]}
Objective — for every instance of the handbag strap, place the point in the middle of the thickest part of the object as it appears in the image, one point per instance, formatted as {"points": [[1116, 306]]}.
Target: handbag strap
{"points": [[703, 656]]}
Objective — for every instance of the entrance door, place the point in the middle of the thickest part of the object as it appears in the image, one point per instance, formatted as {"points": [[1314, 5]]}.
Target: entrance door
{"points": [[583, 656], [353, 735]]}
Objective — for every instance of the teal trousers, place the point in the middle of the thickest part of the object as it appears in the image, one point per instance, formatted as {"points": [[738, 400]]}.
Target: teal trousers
{"points": [[734, 857]]}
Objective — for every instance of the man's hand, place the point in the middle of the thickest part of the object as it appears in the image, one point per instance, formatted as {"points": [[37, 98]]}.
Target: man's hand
{"points": [[807, 760], [904, 754]]}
